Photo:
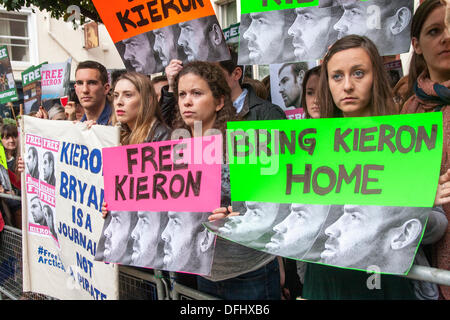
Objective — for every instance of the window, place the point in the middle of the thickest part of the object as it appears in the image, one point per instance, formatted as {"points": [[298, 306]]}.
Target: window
{"points": [[227, 14], [17, 35]]}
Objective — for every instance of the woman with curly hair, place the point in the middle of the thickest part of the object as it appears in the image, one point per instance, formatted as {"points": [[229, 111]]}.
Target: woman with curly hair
{"points": [[204, 108]]}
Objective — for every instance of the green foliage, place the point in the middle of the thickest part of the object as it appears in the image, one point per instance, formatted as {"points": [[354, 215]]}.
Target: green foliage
{"points": [[57, 8]]}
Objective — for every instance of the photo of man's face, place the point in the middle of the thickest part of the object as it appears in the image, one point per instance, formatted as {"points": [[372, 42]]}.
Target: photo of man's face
{"points": [[165, 44], [290, 87], [194, 39], [264, 36], [117, 235], [36, 211], [257, 220], [297, 233], [355, 237], [31, 160], [139, 54], [311, 33], [47, 166], [178, 237], [146, 236]]}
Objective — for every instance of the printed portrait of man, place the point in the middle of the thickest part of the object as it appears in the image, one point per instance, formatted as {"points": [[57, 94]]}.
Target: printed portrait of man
{"points": [[117, 229], [290, 79], [262, 35], [49, 217], [137, 52], [165, 44], [256, 221], [48, 168], [385, 22], [202, 39], [147, 244], [386, 237], [188, 246], [295, 235], [312, 31], [32, 162], [37, 215]]}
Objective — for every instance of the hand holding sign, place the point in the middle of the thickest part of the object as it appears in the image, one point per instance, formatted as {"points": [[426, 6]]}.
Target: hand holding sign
{"points": [[443, 191]]}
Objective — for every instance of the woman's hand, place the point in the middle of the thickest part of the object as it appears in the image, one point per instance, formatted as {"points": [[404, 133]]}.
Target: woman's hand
{"points": [[42, 113], [70, 111], [20, 165], [221, 213], [172, 69], [443, 190], [104, 210]]}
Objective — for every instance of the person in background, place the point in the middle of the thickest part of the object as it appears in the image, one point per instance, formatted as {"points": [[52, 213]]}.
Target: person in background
{"points": [[158, 83], [309, 95], [74, 111], [353, 83], [92, 87], [237, 272], [429, 91]]}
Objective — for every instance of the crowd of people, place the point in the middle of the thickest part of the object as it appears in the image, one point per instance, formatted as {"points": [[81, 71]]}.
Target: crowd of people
{"points": [[350, 82]]}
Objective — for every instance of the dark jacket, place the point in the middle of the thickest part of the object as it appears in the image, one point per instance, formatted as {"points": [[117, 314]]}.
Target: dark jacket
{"points": [[158, 132], [254, 108]]}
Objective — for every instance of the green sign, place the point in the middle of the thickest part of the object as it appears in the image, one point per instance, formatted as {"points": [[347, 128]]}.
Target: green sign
{"points": [[270, 5], [32, 74], [8, 91], [231, 33], [384, 161]]}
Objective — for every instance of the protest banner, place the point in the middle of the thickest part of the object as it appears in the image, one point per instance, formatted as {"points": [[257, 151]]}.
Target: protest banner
{"points": [[179, 175], [286, 31], [160, 194], [31, 82], [148, 34], [8, 91], [62, 194], [55, 78], [381, 239], [363, 161], [170, 241]]}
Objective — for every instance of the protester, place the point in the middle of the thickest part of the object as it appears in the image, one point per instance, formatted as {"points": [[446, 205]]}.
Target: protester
{"points": [[92, 87], [237, 272], [354, 83], [9, 136], [429, 79], [57, 112], [136, 109], [74, 111], [248, 105], [158, 83], [309, 94]]}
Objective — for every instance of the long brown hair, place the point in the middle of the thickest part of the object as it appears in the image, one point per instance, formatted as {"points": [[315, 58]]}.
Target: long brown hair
{"points": [[418, 64], [311, 72], [214, 76], [148, 110], [381, 103]]}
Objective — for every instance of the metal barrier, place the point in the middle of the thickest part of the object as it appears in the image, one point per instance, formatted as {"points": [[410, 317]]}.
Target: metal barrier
{"points": [[134, 283]]}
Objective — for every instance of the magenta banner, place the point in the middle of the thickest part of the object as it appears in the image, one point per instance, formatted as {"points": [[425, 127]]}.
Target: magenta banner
{"points": [[179, 175]]}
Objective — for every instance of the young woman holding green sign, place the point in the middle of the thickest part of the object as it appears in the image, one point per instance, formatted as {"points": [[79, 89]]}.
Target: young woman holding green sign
{"points": [[429, 90], [238, 272], [354, 83]]}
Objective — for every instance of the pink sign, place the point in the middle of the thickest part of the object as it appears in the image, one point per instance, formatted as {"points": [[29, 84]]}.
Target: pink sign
{"points": [[179, 175], [297, 113]]}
